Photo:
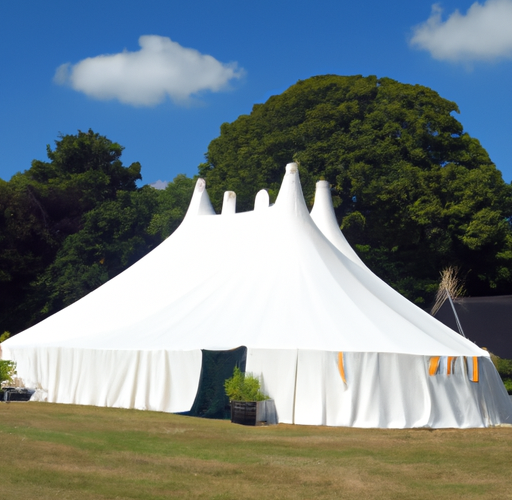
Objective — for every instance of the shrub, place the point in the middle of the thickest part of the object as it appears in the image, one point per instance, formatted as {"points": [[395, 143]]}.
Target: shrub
{"points": [[504, 367], [7, 371], [508, 385], [243, 387]]}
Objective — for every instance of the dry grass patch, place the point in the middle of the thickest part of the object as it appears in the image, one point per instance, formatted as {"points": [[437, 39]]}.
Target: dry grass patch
{"points": [[65, 451]]}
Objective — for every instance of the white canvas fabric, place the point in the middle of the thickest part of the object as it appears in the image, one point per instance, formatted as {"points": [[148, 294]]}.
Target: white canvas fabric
{"points": [[382, 390], [287, 285]]}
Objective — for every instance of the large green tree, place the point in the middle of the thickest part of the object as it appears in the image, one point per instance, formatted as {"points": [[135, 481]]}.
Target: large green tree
{"points": [[42, 206], [114, 235], [173, 202], [72, 223], [413, 192]]}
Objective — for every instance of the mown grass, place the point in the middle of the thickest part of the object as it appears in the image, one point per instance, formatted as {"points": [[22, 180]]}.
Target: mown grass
{"points": [[79, 452]]}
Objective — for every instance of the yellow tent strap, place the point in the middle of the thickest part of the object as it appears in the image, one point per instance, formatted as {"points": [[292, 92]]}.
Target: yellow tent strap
{"points": [[341, 367], [434, 365]]}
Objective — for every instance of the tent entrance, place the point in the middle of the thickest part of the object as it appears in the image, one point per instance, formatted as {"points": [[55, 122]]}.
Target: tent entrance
{"points": [[211, 400]]}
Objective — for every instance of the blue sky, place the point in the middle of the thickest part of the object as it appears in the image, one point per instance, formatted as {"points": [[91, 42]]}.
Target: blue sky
{"points": [[78, 65]]}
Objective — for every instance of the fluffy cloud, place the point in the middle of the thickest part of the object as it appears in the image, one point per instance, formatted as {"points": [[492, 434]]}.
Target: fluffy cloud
{"points": [[483, 34], [160, 68], [159, 184]]}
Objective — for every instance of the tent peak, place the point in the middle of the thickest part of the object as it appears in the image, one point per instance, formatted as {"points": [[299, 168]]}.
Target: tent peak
{"points": [[262, 200], [292, 168], [229, 203], [322, 184], [200, 185], [200, 203], [290, 195], [324, 217]]}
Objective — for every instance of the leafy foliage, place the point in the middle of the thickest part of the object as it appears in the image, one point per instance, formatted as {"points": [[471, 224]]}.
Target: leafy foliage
{"points": [[7, 371], [413, 192], [172, 206], [243, 387], [114, 236], [70, 224], [504, 367]]}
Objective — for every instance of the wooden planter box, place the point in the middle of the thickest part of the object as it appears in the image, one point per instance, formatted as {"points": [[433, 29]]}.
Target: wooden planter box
{"points": [[253, 412]]}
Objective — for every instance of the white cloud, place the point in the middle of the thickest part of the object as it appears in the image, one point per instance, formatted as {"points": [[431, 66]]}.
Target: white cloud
{"points": [[484, 33], [159, 184], [160, 68]]}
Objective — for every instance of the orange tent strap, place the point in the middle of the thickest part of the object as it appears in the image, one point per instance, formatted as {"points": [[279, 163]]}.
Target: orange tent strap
{"points": [[341, 367], [475, 369], [434, 364]]}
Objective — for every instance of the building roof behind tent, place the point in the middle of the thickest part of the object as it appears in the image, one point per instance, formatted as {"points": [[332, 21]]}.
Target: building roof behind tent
{"points": [[486, 321]]}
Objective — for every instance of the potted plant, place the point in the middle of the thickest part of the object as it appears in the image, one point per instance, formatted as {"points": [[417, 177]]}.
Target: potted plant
{"points": [[249, 406], [7, 373]]}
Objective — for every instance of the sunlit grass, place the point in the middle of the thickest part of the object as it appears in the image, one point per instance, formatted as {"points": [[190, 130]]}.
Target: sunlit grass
{"points": [[80, 452]]}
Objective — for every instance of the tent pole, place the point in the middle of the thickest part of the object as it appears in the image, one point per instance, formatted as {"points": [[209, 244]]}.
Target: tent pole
{"points": [[459, 326], [295, 386]]}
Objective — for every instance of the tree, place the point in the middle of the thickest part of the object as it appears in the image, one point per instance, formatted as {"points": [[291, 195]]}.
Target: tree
{"points": [[42, 206], [85, 169], [413, 192], [113, 237], [173, 202]]}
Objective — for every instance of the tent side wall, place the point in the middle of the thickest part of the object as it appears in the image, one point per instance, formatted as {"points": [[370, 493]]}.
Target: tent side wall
{"points": [[382, 390], [146, 380]]}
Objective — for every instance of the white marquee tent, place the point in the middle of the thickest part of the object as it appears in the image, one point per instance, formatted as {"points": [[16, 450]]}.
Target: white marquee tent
{"points": [[332, 343]]}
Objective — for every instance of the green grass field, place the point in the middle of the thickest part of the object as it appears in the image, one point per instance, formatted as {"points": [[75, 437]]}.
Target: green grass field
{"points": [[80, 452]]}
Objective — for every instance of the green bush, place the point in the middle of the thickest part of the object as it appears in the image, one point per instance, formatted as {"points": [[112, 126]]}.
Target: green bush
{"points": [[508, 384], [7, 371], [243, 387], [504, 367]]}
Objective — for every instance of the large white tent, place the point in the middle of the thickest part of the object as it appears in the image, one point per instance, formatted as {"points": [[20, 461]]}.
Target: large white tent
{"points": [[332, 343]]}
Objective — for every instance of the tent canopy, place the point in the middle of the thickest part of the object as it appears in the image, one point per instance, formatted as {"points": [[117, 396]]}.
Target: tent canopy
{"points": [[271, 278]]}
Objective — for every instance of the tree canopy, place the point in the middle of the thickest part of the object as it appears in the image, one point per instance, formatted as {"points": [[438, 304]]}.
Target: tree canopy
{"points": [[413, 192], [70, 224]]}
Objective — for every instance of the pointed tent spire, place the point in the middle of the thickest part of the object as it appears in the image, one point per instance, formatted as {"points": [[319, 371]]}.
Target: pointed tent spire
{"points": [[229, 203], [290, 195], [200, 203], [262, 200], [324, 217]]}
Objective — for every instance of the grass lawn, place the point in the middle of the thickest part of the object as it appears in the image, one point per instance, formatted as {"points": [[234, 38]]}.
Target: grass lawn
{"points": [[81, 452]]}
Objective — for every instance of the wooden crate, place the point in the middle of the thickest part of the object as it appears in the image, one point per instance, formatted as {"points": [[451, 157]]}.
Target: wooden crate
{"points": [[253, 412], [243, 412]]}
